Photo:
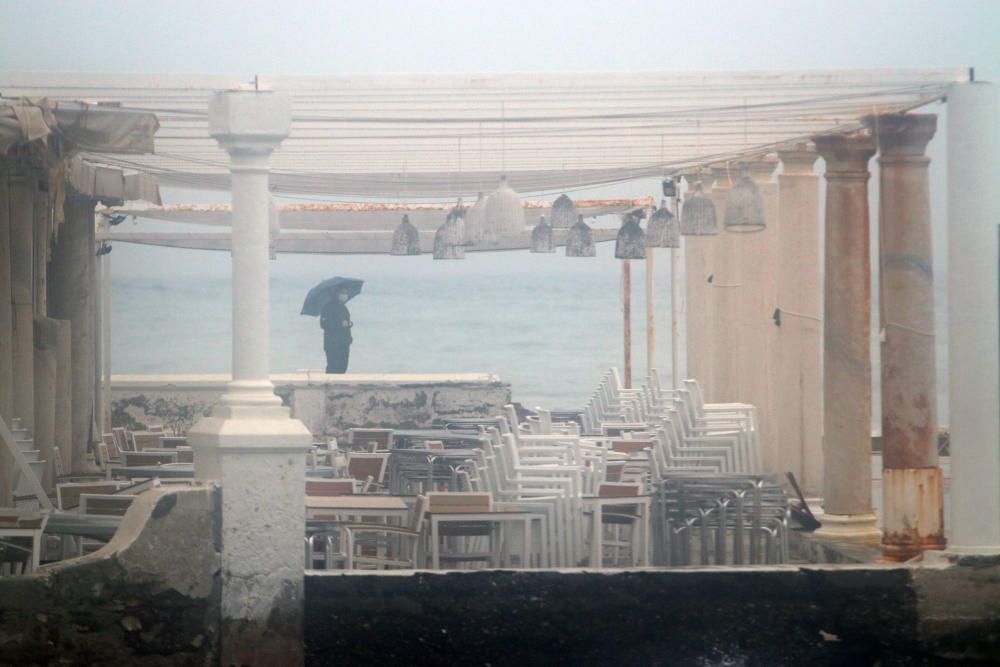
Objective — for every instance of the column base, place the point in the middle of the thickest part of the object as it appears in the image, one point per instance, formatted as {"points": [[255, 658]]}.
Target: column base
{"points": [[850, 527], [913, 512]]}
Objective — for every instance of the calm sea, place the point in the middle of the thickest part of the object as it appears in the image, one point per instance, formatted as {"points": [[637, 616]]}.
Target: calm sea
{"points": [[548, 324]]}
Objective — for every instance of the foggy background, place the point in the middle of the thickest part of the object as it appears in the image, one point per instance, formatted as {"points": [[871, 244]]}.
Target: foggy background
{"points": [[479, 328]]}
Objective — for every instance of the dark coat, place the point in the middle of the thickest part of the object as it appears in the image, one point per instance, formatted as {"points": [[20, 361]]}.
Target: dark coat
{"points": [[336, 322]]}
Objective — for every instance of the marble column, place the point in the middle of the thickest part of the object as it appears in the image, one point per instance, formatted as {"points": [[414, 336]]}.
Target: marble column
{"points": [[798, 398], [63, 411], [696, 297], [46, 376], [71, 281], [720, 385], [847, 391], [755, 255], [973, 344], [913, 487], [21, 271], [249, 443]]}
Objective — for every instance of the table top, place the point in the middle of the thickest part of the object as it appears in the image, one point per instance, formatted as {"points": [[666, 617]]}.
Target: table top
{"points": [[356, 502]]}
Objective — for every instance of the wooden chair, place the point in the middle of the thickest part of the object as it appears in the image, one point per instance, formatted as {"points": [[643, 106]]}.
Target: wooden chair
{"points": [[68, 493], [619, 511], [105, 504], [369, 469], [362, 439], [20, 540], [383, 546], [331, 487], [146, 440], [131, 459], [466, 539]]}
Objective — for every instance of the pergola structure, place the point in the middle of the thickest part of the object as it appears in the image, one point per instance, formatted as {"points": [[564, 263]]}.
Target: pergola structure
{"points": [[758, 329]]}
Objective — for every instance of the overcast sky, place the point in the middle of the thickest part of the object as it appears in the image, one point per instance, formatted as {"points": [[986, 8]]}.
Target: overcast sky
{"points": [[251, 36]]}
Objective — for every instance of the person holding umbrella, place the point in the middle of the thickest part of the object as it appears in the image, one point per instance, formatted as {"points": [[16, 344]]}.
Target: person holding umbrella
{"points": [[329, 301]]}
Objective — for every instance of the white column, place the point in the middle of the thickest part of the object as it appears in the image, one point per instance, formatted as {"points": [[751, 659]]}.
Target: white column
{"points": [[99, 295], [974, 395], [21, 271], [249, 443], [106, 341], [6, 329], [799, 354]]}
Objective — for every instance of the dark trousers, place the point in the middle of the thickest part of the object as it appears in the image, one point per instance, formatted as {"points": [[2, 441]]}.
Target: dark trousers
{"points": [[337, 356]]}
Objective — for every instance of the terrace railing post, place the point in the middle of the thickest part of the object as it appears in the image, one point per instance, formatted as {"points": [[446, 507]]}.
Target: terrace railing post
{"points": [[249, 443]]}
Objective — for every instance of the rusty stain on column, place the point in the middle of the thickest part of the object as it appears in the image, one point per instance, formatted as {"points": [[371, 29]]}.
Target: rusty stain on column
{"points": [[847, 387], [799, 357], [913, 498]]}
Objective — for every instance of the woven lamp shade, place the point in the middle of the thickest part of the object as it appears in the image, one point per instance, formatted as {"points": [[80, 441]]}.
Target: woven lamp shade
{"points": [[745, 205], [698, 215], [406, 239], [631, 241], [504, 213], [541, 237], [662, 230], [563, 213], [580, 240], [449, 241]]}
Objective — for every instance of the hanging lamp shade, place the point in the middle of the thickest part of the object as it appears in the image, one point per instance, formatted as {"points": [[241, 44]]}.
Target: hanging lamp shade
{"points": [[475, 219], [631, 241], [563, 213], [406, 239], [580, 241], [698, 215], [449, 240], [541, 237], [663, 231], [504, 213], [745, 205]]}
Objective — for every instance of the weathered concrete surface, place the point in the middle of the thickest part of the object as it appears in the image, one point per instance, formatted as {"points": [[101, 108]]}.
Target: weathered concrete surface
{"points": [[149, 597], [767, 616], [327, 404]]}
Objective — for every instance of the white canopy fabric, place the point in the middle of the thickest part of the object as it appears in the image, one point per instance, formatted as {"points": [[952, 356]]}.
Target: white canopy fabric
{"points": [[439, 136]]}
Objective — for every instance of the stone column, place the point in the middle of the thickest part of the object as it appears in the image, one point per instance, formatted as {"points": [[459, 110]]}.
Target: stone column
{"points": [[71, 298], [46, 376], [696, 297], [913, 487], [755, 255], [973, 349], [847, 391], [249, 442], [6, 330], [21, 272], [798, 399], [63, 411], [720, 267]]}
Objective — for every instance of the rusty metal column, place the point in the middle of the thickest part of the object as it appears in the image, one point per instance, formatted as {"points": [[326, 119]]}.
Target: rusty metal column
{"points": [[913, 487], [696, 290], [799, 357], [847, 390], [22, 219]]}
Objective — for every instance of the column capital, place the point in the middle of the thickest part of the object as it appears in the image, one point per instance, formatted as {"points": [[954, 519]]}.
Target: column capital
{"points": [[797, 159], [846, 155], [761, 167], [251, 122], [902, 134]]}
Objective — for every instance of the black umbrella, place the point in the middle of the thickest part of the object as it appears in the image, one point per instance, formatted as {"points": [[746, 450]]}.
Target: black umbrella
{"points": [[326, 291]]}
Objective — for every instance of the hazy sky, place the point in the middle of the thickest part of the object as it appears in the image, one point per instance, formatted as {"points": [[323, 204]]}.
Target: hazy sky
{"points": [[291, 36]]}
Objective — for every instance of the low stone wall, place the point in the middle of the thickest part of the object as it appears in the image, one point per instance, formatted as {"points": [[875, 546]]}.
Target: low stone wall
{"points": [[327, 404], [149, 597], [768, 616]]}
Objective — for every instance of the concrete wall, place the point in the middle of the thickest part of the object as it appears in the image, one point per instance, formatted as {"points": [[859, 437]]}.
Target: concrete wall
{"points": [[149, 597], [778, 616], [327, 404]]}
